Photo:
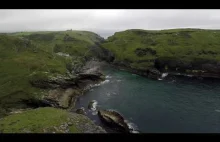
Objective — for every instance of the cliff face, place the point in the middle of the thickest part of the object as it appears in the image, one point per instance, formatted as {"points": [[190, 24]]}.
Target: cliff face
{"points": [[45, 71], [192, 51], [33, 63]]}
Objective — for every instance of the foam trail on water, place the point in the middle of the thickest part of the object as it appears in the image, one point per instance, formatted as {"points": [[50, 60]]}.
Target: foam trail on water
{"points": [[163, 76], [133, 128], [94, 105]]}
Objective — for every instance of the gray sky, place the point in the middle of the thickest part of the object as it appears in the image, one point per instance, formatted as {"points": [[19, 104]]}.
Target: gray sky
{"points": [[106, 22]]}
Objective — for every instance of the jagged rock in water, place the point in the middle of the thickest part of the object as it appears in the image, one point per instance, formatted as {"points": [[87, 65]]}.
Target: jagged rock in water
{"points": [[114, 119]]}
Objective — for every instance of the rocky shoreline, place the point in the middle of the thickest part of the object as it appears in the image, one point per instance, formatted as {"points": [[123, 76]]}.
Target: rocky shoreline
{"points": [[154, 73], [62, 91]]}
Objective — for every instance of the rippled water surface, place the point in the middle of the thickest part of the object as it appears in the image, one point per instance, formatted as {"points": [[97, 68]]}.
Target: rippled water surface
{"points": [[177, 105]]}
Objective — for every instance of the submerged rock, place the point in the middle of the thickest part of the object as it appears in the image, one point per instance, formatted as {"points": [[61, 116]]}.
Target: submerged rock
{"points": [[114, 119]]}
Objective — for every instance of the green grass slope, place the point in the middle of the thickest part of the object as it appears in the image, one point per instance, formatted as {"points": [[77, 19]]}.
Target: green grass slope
{"points": [[46, 120], [71, 42], [185, 49], [22, 54]]}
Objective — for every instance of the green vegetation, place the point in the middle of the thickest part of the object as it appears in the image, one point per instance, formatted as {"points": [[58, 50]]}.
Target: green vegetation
{"points": [[139, 49], [47, 120], [53, 58], [22, 54], [74, 43], [37, 121]]}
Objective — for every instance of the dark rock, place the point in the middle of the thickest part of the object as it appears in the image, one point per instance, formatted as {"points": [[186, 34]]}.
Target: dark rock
{"points": [[95, 76], [114, 120], [196, 66], [102, 53], [61, 98], [44, 81], [91, 71], [81, 110], [154, 73]]}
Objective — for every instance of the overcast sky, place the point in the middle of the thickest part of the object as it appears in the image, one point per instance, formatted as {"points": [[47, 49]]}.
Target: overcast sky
{"points": [[106, 22]]}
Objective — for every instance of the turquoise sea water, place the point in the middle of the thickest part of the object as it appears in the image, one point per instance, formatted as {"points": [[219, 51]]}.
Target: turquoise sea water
{"points": [[180, 105]]}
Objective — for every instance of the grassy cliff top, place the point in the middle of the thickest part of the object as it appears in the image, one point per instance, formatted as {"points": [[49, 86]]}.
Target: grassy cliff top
{"points": [[139, 48], [70, 42], [47, 120]]}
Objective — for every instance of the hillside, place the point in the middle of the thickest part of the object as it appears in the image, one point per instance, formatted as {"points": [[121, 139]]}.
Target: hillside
{"points": [[181, 50], [48, 120], [74, 43], [32, 57]]}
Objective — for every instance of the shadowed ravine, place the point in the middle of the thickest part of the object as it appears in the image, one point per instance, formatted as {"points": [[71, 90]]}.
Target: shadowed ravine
{"points": [[171, 105]]}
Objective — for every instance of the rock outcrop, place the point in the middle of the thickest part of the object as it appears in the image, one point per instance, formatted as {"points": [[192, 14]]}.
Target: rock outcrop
{"points": [[44, 80], [62, 98], [64, 89], [80, 110], [154, 73], [114, 120]]}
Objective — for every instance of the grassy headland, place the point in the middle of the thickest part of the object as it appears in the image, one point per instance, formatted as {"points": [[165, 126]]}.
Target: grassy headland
{"points": [[182, 50]]}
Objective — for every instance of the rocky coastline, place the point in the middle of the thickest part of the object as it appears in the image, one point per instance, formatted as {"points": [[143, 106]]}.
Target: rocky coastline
{"points": [[62, 92], [155, 73]]}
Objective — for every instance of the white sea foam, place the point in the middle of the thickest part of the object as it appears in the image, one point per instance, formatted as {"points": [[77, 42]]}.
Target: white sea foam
{"points": [[133, 128], [134, 131], [105, 81], [108, 76], [94, 105], [164, 75], [94, 113], [101, 83]]}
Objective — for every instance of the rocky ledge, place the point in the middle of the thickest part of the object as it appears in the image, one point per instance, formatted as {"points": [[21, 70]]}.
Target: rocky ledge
{"points": [[64, 89]]}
